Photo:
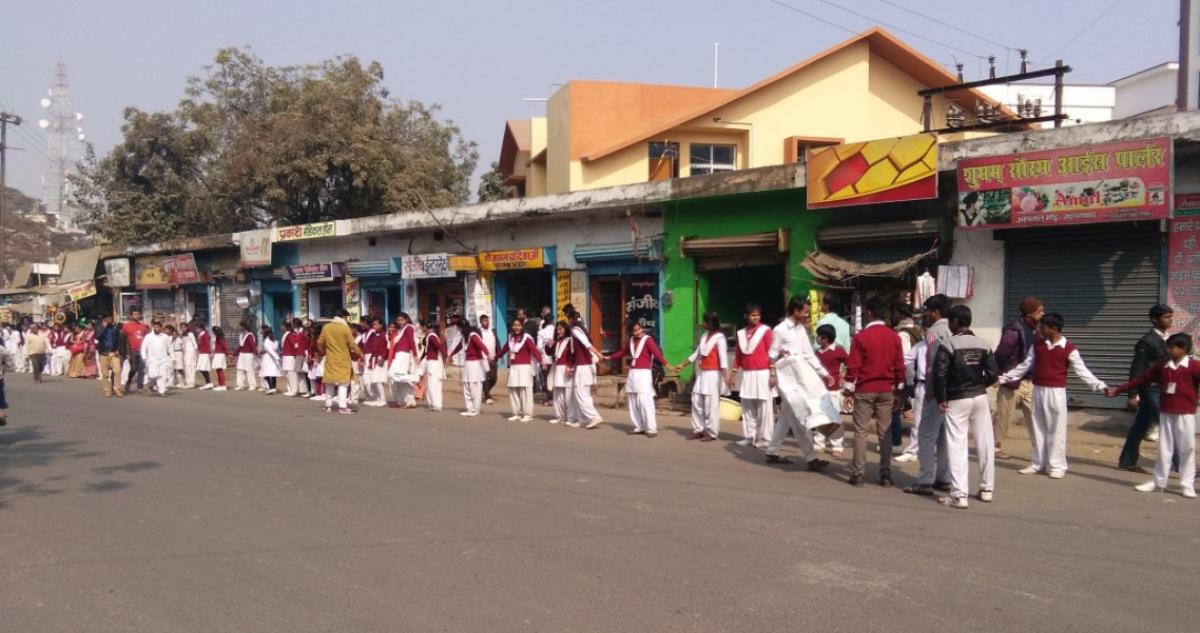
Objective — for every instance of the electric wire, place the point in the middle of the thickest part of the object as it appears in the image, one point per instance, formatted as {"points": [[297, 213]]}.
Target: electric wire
{"points": [[1080, 34], [899, 29], [949, 25]]}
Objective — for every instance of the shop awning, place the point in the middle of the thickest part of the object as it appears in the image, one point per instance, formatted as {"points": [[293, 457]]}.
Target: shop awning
{"points": [[906, 230], [736, 251], [80, 265], [834, 270], [594, 253], [374, 268]]}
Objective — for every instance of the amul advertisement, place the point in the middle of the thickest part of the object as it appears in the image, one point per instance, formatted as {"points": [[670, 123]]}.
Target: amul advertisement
{"points": [[1115, 182]]}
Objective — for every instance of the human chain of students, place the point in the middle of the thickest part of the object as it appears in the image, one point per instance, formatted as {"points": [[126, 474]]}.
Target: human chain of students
{"points": [[784, 382]]}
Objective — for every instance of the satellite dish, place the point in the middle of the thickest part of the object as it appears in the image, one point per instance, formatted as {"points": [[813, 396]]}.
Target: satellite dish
{"points": [[43, 123], [46, 102]]}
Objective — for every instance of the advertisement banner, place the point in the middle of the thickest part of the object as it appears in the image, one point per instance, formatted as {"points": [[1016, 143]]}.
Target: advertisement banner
{"points": [[1183, 264], [309, 273], [305, 231], [255, 247], [641, 307], [874, 172], [425, 266], [351, 298], [1113, 182], [117, 273], [181, 269], [516, 259], [82, 290], [148, 273], [562, 290]]}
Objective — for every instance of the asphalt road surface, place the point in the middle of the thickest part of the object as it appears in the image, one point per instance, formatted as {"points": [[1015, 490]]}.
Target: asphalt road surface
{"points": [[237, 512]]}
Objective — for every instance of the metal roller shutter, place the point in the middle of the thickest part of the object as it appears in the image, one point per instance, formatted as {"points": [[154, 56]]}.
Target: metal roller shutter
{"points": [[1102, 279], [231, 314]]}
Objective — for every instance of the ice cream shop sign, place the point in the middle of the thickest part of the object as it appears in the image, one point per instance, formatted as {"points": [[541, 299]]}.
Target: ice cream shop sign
{"points": [[1100, 183]]}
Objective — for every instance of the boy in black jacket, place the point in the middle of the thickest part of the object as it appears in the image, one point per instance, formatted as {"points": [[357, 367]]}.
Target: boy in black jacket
{"points": [[963, 369]]}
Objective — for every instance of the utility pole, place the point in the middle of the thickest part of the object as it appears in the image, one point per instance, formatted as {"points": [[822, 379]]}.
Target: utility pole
{"points": [[5, 119]]}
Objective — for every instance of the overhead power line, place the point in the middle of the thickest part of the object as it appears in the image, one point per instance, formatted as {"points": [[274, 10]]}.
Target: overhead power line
{"points": [[1080, 34], [900, 29], [814, 17], [948, 25]]}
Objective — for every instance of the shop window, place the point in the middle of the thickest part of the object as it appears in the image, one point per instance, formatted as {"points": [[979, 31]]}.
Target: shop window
{"points": [[377, 304], [162, 306], [329, 302], [709, 159], [199, 305], [664, 160]]}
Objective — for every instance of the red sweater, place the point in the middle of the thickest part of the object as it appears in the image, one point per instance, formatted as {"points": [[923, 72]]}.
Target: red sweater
{"points": [[567, 358], [644, 361], [1184, 377], [876, 361], [832, 360], [476, 349], [524, 352], [434, 348], [220, 346], [758, 357], [295, 344], [375, 344], [1050, 364], [406, 341], [247, 344], [203, 343], [583, 355]]}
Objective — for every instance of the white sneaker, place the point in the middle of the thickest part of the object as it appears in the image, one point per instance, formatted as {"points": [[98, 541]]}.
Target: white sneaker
{"points": [[1149, 486], [745, 442], [555, 421], [573, 425], [270, 392], [289, 394], [317, 397], [513, 418], [1057, 474], [959, 503], [206, 387], [239, 388], [1029, 470], [468, 414], [1188, 492], [527, 418], [985, 496], [594, 423], [220, 388], [1152, 434], [904, 458]]}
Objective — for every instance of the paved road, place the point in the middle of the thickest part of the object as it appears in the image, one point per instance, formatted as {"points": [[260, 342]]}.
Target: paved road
{"points": [[235, 512]]}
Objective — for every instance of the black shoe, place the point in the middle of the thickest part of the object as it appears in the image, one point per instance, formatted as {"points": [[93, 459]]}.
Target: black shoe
{"points": [[3, 421], [778, 459], [855, 480], [941, 486], [885, 480], [925, 490], [817, 465], [1133, 468]]}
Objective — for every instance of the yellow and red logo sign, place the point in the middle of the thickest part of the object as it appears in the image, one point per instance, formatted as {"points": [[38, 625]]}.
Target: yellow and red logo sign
{"points": [[886, 170]]}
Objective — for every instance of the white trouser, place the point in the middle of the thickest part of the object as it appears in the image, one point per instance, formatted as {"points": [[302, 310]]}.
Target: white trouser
{"points": [[402, 393], [793, 421], [758, 419], [245, 379], [1176, 434], [56, 364], [562, 403], [706, 414], [342, 392], [293, 382], [433, 391], [356, 387], [160, 383], [931, 447], [836, 438], [918, 403], [189, 373], [582, 407], [1050, 429], [641, 412], [521, 399], [971, 414], [473, 395]]}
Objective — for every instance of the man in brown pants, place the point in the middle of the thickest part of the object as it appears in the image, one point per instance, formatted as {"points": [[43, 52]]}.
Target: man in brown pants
{"points": [[107, 347], [874, 371]]}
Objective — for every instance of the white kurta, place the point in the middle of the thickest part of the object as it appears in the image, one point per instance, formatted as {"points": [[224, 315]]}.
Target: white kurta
{"points": [[270, 367], [711, 382], [158, 356]]}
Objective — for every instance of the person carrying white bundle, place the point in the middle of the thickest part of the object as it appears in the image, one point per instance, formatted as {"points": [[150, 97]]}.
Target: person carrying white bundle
{"points": [[158, 357]]}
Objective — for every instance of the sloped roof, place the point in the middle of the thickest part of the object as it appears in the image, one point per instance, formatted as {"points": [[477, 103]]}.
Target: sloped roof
{"points": [[517, 138], [903, 56]]}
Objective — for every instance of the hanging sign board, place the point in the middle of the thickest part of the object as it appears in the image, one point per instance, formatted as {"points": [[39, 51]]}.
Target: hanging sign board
{"points": [[874, 172], [425, 266], [517, 259], [1183, 264]]}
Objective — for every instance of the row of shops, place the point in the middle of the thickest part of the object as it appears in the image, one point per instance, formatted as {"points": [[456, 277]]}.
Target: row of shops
{"points": [[1099, 231]]}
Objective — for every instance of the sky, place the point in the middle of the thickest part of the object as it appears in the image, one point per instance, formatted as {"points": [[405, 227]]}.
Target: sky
{"points": [[480, 59]]}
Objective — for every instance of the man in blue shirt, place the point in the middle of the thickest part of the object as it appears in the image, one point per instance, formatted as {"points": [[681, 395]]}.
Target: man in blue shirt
{"points": [[108, 349], [832, 311]]}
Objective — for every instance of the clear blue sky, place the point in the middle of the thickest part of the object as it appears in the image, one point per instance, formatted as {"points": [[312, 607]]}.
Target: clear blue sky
{"points": [[478, 59]]}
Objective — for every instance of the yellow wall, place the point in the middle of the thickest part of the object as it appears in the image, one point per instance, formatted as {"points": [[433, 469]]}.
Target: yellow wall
{"points": [[558, 147], [632, 164], [535, 181]]}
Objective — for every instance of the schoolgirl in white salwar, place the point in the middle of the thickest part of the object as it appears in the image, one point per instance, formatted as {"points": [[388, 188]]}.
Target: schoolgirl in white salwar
{"points": [[433, 366], [401, 366], [475, 368], [203, 355], [190, 356], [294, 351], [752, 367], [561, 363], [639, 385], [269, 362], [220, 357], [374, 376], [158, 358], [358, 365], [583, 409], [247, 358], [521, 351], [176, 357], [712, 359]]}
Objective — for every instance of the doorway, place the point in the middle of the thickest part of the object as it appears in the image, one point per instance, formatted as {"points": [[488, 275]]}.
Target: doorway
{"points": [[729, 290]]}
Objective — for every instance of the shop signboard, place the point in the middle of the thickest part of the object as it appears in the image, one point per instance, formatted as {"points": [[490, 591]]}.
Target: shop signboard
{"points": [[872, 172], [465, 263], [641, 305], [82, 290], [351, 297], [310, 273], [515, 259], [181, 269], [425, 266], [1183, 264], [117, 272], [305, 231], [562, 290], [148, 273], [255, 248], [1110, 182]]}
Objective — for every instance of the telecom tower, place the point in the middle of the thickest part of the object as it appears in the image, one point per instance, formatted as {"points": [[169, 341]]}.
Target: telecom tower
{"points": [[64, 137]]}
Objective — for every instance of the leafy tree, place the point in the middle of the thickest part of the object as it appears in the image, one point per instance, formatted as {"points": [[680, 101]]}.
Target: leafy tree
{"points": [[252, 144], [491, 185]]}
